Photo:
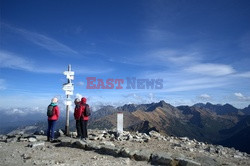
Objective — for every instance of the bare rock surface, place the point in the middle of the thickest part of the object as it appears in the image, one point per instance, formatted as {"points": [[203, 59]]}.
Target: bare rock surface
{"points": [[20, 154], [108, 148]]}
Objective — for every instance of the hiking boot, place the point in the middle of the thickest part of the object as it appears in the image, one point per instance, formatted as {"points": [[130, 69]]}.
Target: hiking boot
{"points": [[83, 139]]}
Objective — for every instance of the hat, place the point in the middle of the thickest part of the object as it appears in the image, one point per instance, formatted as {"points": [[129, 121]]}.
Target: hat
{"points": [[77, 100], [83, 100], [54, 100]]}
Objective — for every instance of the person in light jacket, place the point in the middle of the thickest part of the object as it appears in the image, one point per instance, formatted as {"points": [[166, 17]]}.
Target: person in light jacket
{"points": [[52, 119]]}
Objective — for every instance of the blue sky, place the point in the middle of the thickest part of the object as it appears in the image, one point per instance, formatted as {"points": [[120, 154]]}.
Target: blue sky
{"points": [[199, 48]]}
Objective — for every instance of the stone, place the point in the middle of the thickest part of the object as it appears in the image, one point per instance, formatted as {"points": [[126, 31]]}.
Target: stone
{"points": [[110, 150], [41, 137], [142, 155], [191, 149], [107, 143], [41, 132], [13, 139], [205, 160], [36, 144], [61, 133], [187, 162], [104, 132], [126, 152], [81, 144], [3, 138], [93, 138], [66, 141], [92, 146], [238, 156], [176, 155], [210, 149], [73, 134], [126, 161], [31, 139], [154, 134], [26, 156], [184, 138], [161, 158], [23, 139]]}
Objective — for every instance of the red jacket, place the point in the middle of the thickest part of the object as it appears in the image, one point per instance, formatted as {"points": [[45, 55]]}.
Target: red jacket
{"points": [[56, 114], [79, 110]]}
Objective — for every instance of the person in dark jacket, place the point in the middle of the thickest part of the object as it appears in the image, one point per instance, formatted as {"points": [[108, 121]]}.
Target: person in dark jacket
{"points": [[81, 120], [52, 119], [77, 115]]}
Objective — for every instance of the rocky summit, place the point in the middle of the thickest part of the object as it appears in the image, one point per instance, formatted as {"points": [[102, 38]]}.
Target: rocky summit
{"points": [[106, 147]]}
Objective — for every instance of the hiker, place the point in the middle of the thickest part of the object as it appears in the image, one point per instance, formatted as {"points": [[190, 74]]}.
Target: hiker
{"points": [[53, 115], [86, 114], [81, 118], [77, 115]]}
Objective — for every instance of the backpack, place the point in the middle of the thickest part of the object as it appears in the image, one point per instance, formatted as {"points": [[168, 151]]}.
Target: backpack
{"points": [[87, 110], [50, 111]]}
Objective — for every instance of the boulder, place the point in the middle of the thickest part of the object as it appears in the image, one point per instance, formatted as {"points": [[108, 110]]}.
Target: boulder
{"points": [[187, 162], [36, 144], [161, 158], [142, 155]]}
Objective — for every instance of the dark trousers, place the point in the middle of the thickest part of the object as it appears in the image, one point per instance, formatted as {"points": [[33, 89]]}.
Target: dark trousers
{"points": [[85, 129], [81, 128], [51, 129]]}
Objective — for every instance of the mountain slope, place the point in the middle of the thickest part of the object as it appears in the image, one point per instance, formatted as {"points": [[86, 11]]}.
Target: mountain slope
{"points": [[196, 122], [239, 135], [218, 109]]}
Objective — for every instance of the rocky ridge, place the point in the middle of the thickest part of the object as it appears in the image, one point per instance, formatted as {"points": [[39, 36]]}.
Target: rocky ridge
{"points": [[105, 147]]}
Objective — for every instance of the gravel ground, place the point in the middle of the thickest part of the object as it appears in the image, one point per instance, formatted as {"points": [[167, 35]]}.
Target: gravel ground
{"points": [[19, 154], [205, 158]]}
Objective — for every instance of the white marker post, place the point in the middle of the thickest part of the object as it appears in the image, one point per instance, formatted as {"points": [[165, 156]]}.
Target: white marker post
{"points": [[119, 123], [68, 88]]}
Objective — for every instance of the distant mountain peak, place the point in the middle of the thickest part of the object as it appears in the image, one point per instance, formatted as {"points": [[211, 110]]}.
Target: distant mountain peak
{"points": [[218, 108], [128, 108], [162, 103]]}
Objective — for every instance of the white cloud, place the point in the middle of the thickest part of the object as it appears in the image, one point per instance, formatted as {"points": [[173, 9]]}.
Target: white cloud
{"points": [[153, 35], [92, 70], [48, 43], [240, 96], [193, 87], [44, 41], [14, 61], [205, 97], [2, 84], [244, 74], [10, 60], [211, 69], [177, 57], [181, 81]]}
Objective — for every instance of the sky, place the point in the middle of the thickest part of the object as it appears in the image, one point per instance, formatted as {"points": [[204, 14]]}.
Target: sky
{"points": [[200, 49]]}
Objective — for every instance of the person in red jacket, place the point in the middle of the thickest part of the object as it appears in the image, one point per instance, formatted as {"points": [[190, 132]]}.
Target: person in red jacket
{"points": [[81, 120], [85, 118], [52, 119]]}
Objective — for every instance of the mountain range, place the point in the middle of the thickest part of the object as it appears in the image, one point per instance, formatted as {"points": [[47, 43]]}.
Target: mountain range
{"points": [[211, 123], [216, 124]]}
